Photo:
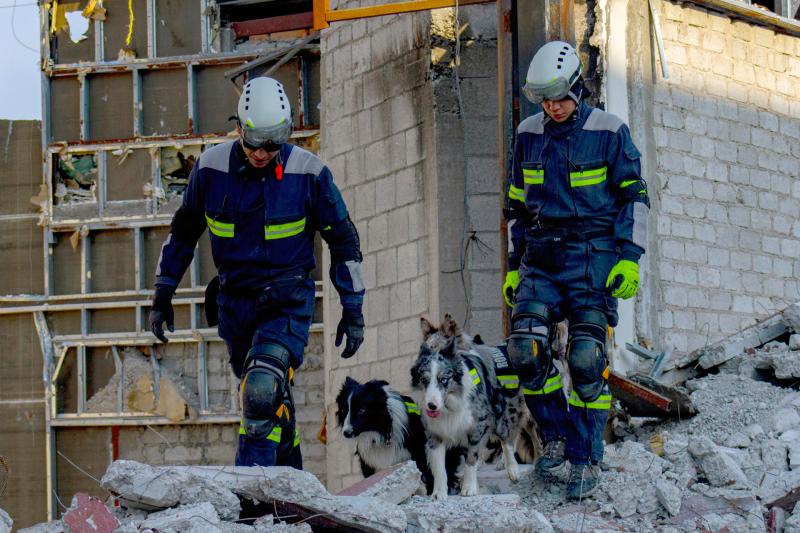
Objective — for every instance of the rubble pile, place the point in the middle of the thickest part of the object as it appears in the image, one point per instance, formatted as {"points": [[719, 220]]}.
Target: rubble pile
{"points": [[733, 467]]}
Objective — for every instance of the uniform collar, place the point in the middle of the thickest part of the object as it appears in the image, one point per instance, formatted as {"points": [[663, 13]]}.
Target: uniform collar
{"points": [[575, 121], [246, 170]]}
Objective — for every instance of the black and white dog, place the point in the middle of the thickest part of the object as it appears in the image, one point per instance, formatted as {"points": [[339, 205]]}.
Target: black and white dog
{"points": [[387, 429], [463, 404]]}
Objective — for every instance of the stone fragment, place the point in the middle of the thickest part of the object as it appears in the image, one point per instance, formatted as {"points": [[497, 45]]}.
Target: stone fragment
{"points": [[394, 485], [147, 487], [5, 522], [577, 519], [496, 513], [669, 496], [56, 526], [633, 458], [774, 454], [494, 481], [89, 515], [777, 489], [737, 440], [235, 527], [791, 317], [719, 468], [793, 522], [266, 524], [794, 342], [785, 419], [197, 518]]}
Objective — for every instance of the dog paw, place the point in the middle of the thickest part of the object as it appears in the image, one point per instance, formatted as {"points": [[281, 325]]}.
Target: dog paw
{"points": [[439, 494], [469, 491], [513, 473]]}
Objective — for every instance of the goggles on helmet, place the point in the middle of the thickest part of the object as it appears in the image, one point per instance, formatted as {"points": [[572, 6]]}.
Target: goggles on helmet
{"points": [[556, 89], [269, 138]]}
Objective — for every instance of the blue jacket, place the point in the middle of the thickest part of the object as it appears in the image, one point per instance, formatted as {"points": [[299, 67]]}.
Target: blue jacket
{"points": [[262, 222], [583, 174]]}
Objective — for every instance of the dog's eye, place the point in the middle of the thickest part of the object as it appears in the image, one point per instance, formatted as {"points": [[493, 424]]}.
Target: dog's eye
{"points": [[362, 411], [444, 379], [424, 380]]}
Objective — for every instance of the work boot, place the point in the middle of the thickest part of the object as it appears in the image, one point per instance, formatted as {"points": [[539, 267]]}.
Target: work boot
{"points": [[583, 480], [552, 459]]}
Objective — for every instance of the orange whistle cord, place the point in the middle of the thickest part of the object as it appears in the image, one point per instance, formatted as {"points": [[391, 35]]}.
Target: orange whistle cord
{"points": [[283, 410]]}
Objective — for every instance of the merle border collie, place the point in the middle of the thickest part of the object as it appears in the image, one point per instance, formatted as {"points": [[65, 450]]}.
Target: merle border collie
{"points": [[387, 428], [463, 404]]}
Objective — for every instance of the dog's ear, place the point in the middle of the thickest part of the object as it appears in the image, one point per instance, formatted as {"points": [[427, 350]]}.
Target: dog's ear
{"points": [[350, 383], [450, 348], [427, 328], [477, 340], [449, 326], [380, 383]]}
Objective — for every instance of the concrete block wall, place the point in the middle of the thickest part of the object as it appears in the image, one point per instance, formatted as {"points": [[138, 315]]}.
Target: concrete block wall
{"points": [[376, 119], [727, 137]]}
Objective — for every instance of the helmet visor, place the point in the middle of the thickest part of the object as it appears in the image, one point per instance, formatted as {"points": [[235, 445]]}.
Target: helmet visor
{"points": [[557, 89], [255, 138]]}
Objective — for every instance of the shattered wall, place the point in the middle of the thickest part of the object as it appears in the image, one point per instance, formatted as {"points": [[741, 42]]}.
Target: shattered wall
{"points": [[376, 133], [727, 137]]}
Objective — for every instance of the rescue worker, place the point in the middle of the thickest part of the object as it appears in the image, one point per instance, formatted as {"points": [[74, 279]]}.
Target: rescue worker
{"points": [[577, 211], [263, 200]]}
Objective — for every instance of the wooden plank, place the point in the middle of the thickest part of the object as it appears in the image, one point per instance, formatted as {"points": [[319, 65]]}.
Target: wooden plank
{"points": [[263, 26], [637, 398]]}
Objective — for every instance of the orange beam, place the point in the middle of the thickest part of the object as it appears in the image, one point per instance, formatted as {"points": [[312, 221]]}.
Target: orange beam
{"points": [[390, 9]]}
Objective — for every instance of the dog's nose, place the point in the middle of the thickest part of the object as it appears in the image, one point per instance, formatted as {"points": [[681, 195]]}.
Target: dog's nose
{"points": [[432, 406], [348, 433]]}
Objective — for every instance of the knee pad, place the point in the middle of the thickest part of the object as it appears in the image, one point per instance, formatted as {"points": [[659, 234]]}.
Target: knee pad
{"points": [[586, 353], [266, 399], [529, 344]]}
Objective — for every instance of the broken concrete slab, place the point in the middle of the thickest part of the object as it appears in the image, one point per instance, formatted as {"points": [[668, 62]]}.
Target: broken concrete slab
{"points": [[578, 519], [794, 341], [145, 487], [394, 485], [793, 522], [633, 458], [791, 317], [701, 512], [299, 492], [56, 526], [774, 455], [781, 489], [729, 347], [785, 419], [456, 514], [5, 522], [785, 365], [719, 467], [669, 496], [234, 527], [492, 480], [196, 518], [89, 515], [266, 524]]}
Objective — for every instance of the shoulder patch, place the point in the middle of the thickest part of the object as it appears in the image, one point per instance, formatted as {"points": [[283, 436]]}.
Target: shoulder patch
{"points": [[217, 157], [600, 120], [533, 124], [303, 162]]}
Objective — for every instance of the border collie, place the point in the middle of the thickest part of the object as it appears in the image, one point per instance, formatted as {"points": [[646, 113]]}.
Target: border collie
{"points": [[463, 404], [387, 429]]}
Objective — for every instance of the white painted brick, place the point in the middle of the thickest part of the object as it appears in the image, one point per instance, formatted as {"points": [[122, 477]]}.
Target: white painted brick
{"points": [[665, 319], [768, 160], [705, 232], [741, 260], [696, 253], [682, 228], [771, 245], [782, 267], [667, 271], [762, 263], [774, 287], [365, 200], [384, 194], [716, 170], [703, 189], [720, 301], [742, 303], [760, 178], [419, 295], [718, 257], [779, 104], [694, 166], [679, 185], [663, 225], [407, 260], [761, 138], [752, 282], [686, 274], [674, 206], [790, 248], [709, 277], [676, 295], [672, 249], [684, 319], [389, 340], [695, 208], [698, 298], [378, 233], [726, 151], [670, 161], [717, 213], [762, 221], [387, 267], [407, 188], [739, 216], [740, 133], [400, 300]]}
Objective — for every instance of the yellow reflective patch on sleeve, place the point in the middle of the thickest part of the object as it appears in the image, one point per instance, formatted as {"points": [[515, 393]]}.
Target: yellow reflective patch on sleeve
{"points": [[220, 229], [281, 231]]}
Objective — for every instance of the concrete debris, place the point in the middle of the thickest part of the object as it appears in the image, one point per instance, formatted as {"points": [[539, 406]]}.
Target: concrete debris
{"points": [[793, 522], [493, 480], [785, 364], [780, 489], [56, 526], [268, 524], [496, 513], [147, 487], [719, 467], [394, 485], [791, 317], [794, 341], [89, 515], [669, 496], [195, 518], [5, 522]]}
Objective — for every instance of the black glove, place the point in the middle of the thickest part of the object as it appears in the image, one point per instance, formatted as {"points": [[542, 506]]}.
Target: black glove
{"points": [[352, 325], [161, 312]]}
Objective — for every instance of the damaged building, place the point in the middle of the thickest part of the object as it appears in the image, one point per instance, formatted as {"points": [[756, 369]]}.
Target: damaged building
{"points": [[414, 112]]}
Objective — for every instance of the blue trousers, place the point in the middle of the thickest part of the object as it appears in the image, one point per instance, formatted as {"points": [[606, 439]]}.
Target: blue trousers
{"points": [[282, 314], [566, 278]]}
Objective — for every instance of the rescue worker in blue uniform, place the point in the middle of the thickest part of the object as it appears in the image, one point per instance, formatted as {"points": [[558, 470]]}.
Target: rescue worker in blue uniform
{"points": [[577, 213], [263, 200]]}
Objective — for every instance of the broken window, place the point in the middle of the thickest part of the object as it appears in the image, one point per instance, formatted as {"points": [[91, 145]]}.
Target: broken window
{"points": [[176, 165], [76, 179], [118, 25], [72, 33]]}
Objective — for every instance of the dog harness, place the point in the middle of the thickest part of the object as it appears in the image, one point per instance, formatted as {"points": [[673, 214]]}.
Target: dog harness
{"points": [[509, 381]]}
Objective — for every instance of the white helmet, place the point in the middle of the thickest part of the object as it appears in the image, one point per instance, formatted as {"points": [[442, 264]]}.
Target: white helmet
{"points": [[553, 71], [264, 113]]}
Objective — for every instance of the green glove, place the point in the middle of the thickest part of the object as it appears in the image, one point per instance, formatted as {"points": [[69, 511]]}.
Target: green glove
{"points": [[510, 286], [623, 280]]}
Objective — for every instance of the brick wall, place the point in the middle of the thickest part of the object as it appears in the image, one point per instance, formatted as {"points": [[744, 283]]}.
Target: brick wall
{"points": [[727, 137], [376, 115]]}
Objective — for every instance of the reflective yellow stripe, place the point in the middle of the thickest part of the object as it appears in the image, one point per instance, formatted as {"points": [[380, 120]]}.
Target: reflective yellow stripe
{"points": [[515, 193], [552, 384], [510, 381], [281, 231], [627, 183], [587, 177], [475, 377], [412, 408], [275, 434], [533, 177], [220, 229], [602, 402], [296, 437]]}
